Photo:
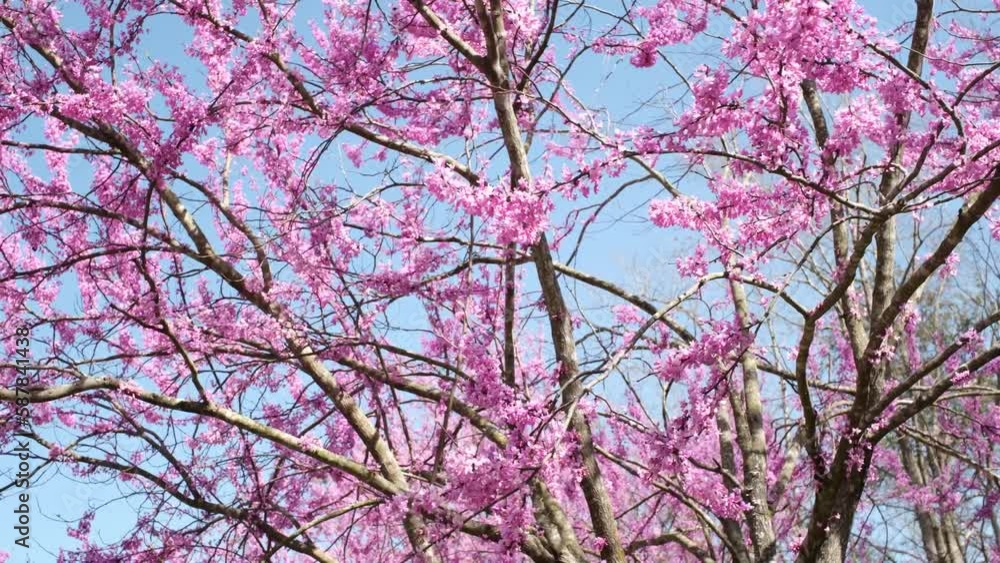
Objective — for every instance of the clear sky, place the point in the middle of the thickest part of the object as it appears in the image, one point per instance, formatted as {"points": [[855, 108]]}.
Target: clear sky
{"points": [[621, 253]]}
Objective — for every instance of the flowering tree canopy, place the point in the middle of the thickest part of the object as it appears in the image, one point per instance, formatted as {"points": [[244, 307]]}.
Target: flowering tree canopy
{"points": [[324, 283]]}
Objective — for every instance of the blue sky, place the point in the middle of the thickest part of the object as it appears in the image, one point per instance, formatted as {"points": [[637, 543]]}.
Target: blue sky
{"points": [[620, 254]]}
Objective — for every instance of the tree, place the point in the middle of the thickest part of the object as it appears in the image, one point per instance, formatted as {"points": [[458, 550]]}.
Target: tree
{"points": [[308, 280]]}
